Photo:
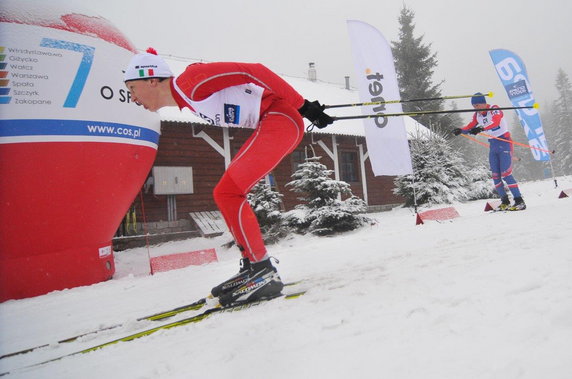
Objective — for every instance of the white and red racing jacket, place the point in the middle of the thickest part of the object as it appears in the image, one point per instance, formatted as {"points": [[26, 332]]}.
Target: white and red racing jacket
{"points": [[230, 93], [491, 120]]}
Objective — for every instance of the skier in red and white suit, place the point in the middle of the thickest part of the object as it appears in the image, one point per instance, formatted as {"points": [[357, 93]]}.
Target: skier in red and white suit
{"points": [[234, 94], [251, 96]]}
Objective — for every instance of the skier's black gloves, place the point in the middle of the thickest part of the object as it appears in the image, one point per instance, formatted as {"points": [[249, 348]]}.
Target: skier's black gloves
{"points": [[456, 131], [476, 130], [314, 111]]}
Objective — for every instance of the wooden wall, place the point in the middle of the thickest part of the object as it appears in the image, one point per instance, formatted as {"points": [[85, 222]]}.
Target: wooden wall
{"points": [[178, 147]]}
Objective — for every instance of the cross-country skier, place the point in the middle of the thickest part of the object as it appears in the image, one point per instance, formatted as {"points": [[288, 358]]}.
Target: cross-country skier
{"points": [[234, 94], [491, 120]]}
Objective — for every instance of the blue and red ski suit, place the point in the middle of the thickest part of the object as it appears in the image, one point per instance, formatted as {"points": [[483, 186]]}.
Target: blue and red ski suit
{"points": [[500, 152]]}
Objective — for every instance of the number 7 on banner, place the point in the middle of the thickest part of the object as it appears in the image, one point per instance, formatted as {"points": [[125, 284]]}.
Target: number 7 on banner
{"points": [[82, 71]]}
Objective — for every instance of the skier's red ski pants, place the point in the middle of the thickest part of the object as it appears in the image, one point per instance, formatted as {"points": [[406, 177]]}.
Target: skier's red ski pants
{"points": [[279, 132]]}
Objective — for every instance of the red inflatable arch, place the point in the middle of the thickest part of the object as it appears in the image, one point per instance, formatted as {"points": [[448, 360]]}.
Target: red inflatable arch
{"points": [[74, 150]]}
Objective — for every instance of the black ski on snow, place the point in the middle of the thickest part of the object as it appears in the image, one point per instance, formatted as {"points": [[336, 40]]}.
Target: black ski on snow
{"points": [[196, 318], [505, 210], [194, 306], [154, 317]]}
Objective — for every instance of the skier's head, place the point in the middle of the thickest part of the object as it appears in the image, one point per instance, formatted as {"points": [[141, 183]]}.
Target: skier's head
{"points": [[147, 65], [478, 98], [145, 79]]}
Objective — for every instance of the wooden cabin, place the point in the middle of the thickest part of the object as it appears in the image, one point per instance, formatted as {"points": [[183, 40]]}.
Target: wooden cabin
{"points": [[192, 157]]}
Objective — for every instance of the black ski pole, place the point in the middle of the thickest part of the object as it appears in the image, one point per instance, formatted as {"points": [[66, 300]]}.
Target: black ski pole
{"points": [[490, 94], [420, 113]]}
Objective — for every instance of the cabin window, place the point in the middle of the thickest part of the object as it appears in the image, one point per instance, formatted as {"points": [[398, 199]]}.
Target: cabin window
{"points": [[349, 166]]}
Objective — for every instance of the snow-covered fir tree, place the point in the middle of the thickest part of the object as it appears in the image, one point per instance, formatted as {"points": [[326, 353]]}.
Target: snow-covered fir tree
{"points": [[323, 212], [266, 204], [448, 121], [415, 65], [480, 182], [441, 175], [562, 116]]}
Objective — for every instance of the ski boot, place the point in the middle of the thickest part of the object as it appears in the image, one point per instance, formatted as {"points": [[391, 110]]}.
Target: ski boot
{"points": [[235, 281], [504, 205], [519, 204], [263, 283]]}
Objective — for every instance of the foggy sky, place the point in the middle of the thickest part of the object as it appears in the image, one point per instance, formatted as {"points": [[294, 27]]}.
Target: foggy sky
{"points": [[286, 36]]}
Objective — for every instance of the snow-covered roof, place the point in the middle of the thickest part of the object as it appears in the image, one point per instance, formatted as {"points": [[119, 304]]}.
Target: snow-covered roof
{"points": [[325, 93]]}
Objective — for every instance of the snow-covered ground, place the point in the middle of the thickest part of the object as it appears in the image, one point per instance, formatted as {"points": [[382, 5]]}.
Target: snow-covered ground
{"points": [[482, 296]]}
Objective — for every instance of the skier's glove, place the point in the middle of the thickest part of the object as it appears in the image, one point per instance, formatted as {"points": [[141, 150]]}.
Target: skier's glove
{"points": [[476, 130], [457, 131], [314, 111]]}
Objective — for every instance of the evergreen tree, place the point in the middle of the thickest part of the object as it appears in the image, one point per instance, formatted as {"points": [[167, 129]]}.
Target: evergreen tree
{"points": [[452, 120], [415, 65], [441, 175], [266, 204], [322, 211], [480, 182], [562, 116]]}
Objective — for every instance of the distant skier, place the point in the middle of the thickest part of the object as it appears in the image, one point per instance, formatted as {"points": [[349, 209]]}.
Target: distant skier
{"points": [[491, 120], [234, 95]]}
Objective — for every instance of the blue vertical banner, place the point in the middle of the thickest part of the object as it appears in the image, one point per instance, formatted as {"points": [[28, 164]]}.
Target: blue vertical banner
{"points": [[512, 73]]}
